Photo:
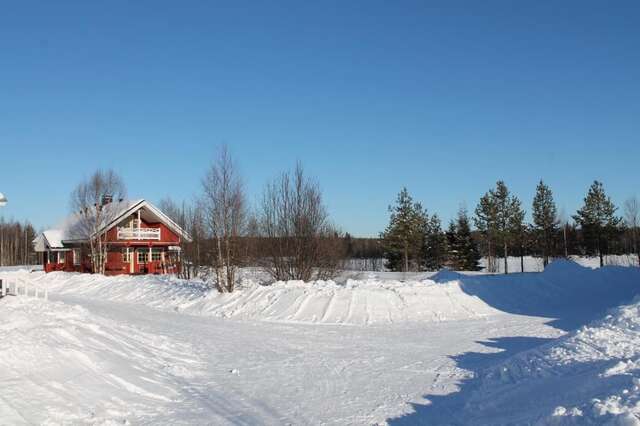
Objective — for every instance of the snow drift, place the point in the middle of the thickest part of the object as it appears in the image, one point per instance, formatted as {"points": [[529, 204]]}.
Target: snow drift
{"points": [[355, 302], [565, 291], [84, 369], [590, 376]]}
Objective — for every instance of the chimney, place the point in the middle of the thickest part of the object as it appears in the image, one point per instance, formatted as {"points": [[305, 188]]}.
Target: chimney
{"points": [[106, 199]]}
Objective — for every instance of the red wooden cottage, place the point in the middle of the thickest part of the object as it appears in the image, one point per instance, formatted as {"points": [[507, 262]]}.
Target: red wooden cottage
{"points": [[139, 239]]}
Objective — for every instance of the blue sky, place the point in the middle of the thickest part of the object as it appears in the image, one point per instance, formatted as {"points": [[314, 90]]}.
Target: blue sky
{"points": [[444, 98]]}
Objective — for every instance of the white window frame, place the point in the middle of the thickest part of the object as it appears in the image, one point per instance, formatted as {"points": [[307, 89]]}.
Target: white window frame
{"points": [[126, 255], [145, 254], [156, 252], [76, 257]]}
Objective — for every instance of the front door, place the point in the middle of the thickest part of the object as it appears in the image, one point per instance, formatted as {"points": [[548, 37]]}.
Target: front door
{"points": [[142, 255]]}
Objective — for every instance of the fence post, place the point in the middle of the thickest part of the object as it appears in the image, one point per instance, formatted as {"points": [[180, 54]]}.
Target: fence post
{"points": [[4, 290]]}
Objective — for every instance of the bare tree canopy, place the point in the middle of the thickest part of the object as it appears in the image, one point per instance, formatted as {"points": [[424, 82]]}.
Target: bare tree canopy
{"points": [[294, 224], [92, 206], [632, 220], [225, 216]]}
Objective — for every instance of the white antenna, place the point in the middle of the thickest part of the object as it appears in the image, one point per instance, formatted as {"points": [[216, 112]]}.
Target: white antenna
{"points": [[3, 200]]}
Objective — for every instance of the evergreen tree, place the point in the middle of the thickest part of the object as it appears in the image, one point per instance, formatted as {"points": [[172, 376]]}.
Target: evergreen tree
{"points": [[499, 218], [403, 239], [597, 220], [466, 249], [453, 258], [545, 219], [518, 229], [486, 220], [435, 247], [463, 251]]}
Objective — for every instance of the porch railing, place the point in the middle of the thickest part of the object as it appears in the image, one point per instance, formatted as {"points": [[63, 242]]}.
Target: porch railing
{"points": [[139, 233]]}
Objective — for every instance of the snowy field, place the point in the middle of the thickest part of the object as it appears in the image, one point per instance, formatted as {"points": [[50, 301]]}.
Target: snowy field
{"points": [[554, 347]]}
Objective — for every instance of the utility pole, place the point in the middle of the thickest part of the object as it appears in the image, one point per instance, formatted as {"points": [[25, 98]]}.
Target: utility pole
{"points": [[3, 202]]}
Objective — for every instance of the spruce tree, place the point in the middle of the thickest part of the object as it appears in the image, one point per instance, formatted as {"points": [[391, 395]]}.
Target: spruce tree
{"points": [[453, 258], [403, 239], [545, 219], [468, 256], [463, 254], [597, 220], [435, 247]]}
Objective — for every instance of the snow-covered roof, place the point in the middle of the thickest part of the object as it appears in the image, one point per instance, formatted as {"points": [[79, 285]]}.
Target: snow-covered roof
{"points": [[54, 238], [73, 229]]}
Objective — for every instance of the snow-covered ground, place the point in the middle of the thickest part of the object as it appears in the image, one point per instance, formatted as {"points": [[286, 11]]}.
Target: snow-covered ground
{"points": [[590, 376], [535, 264], [443, 348]]}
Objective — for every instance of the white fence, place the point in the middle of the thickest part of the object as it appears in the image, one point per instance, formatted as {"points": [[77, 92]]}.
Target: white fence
{"points": [[18, 287]]}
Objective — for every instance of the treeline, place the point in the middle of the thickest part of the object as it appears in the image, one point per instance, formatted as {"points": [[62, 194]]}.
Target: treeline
{"points": [[290, 236], [415, 240], [16, 246]]}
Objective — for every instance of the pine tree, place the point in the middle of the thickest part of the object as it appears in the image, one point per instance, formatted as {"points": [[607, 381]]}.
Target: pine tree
{"points": [[486, 220], [517, 228], [435, 247], [499, 218], [545, 219], [403, 239], [597, 220]]}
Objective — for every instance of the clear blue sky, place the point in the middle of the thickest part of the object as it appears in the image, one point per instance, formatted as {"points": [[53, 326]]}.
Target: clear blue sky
{"points": [[444, 98]]}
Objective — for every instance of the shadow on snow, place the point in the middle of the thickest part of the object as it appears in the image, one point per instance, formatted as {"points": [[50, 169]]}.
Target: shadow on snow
{"points": [[567, 293]]}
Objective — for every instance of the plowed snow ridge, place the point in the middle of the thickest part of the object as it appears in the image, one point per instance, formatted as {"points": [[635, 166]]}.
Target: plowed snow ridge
{"points": [[445, 296]]}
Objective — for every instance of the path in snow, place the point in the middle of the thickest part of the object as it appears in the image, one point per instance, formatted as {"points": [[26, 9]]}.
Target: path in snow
{"points": [[127, 341], [275, 373]]}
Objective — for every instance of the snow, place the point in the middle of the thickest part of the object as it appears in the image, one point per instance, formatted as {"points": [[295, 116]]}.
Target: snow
{"points": [[535, 264], [590, 376], [81, 368], [356, 302], [369, 348]]}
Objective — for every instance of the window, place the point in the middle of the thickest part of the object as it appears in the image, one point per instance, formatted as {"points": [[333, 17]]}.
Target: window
{"points": [[143, 255], [156, 254], [53, 257], [131, 222], [61, 256], [126, 255], [76, 257]]}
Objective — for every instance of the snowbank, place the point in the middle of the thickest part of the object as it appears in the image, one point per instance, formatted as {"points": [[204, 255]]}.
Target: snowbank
{"points": [[564, 288], [566, 291], [591, 376], [357, 302], [84, 369], [535, 264]]}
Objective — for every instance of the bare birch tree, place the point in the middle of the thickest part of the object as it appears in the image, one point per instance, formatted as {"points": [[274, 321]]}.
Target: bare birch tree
{"points": [[91, 204], [224, 206], [632, 219], [294, 224]]}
